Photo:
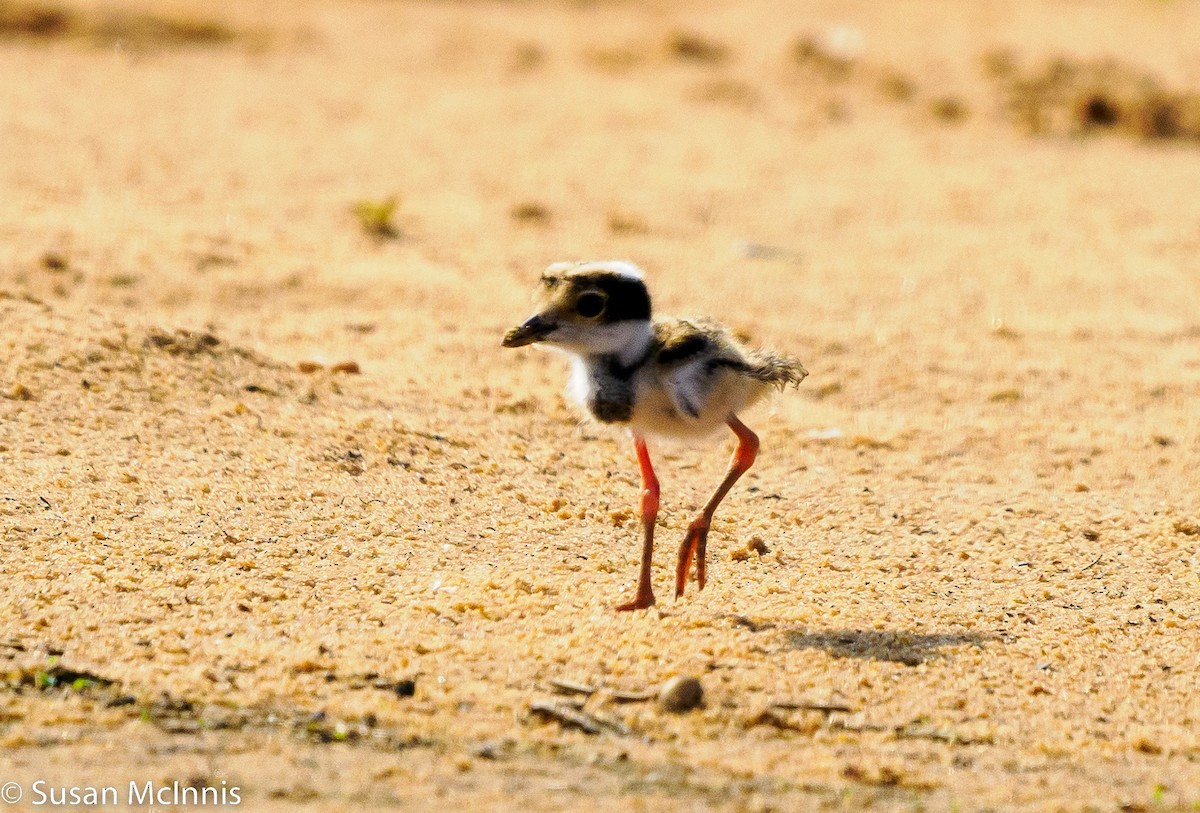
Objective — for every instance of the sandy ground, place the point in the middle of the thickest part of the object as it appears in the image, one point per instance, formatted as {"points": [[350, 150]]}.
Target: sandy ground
{"points": [[344, 592]]}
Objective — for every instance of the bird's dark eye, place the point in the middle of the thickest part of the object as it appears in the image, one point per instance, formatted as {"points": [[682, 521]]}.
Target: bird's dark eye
{"points": [[590, 305]]}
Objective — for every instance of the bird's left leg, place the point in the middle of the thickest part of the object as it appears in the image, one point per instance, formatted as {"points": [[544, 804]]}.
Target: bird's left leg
{"points": [[697, 536], [645, 592]]}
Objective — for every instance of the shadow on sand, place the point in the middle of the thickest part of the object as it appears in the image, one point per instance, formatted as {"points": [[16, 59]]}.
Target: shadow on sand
{"points": [[909, 648]]}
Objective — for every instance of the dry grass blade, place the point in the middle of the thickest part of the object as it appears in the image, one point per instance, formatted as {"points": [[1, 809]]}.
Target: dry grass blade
{"points": [[50, 21], [925, 731]]}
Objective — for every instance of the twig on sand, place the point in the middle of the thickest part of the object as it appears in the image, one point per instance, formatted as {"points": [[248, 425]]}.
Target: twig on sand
{"points": [[633, 697], [806, 705], [916, 730], [565, 686], [574, 717], [570, 687]]}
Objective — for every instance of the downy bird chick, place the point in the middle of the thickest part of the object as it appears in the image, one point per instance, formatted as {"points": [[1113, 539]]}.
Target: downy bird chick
{"points": [[659, 376]]}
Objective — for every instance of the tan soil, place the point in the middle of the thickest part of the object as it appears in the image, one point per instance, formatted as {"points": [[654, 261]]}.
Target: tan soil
{"points": [[979, 514]]}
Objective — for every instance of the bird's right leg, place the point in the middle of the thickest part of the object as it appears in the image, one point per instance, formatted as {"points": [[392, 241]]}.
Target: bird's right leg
{"points": [[645, 592], [696, 541]]}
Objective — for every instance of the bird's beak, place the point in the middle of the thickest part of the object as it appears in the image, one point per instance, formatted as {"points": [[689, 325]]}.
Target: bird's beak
{"points": [[534, 329]]}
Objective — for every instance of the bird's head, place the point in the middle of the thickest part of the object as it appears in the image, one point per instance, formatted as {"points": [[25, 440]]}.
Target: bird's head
{"points": [[592, 308]]}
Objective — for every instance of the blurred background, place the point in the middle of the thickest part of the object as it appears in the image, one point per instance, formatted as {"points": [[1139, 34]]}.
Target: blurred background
{"points": [[988, 162]]}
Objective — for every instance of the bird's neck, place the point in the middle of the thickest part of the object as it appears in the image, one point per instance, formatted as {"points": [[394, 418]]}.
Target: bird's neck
{"points": [[632, 349]]}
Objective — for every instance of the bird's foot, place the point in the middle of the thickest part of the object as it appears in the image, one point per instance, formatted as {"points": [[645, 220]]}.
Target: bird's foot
{"points": [[644, 600], [694, 546]]}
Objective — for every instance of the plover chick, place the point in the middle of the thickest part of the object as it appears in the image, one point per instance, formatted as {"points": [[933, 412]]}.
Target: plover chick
{"points": [[659, 376]]}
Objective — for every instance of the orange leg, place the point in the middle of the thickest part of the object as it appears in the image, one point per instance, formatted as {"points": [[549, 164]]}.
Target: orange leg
{"points": [[645, 593], [697, 536]]}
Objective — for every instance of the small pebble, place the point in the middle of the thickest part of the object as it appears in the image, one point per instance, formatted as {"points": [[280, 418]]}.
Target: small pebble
{"points": [[530, 212], [54, 261], [680, 694]]}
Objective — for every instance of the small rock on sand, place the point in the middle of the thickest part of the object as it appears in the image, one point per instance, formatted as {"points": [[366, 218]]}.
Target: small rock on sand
{"points": [[680, 694]]}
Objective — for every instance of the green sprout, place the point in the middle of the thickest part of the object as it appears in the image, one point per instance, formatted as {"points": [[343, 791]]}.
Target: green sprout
{"points": [[375, 217]]}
